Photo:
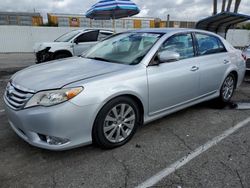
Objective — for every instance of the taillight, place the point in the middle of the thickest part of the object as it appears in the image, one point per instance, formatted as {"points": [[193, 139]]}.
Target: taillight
{"points": [[244, 57]]}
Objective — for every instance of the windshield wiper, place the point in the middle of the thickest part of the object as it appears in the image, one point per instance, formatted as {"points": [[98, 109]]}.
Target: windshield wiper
{"points": [[99, 59]]}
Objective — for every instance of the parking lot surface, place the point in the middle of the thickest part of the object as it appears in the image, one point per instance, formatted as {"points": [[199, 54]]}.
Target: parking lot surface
{"points": [[154, 147]]}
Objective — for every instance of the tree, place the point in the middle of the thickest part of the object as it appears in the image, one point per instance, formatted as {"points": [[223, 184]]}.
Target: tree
{"points": [[229, 5], [236, 7], [223, 5]]}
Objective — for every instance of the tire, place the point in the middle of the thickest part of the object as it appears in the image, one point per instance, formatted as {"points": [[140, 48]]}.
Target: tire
{"points": [[227, 89], [116, 123], [61, 56]]}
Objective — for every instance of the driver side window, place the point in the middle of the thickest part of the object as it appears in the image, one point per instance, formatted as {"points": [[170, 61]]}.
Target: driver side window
{"points": [[181, 44]]}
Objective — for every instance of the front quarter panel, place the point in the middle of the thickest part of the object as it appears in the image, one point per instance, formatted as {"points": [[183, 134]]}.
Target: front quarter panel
{"points": [[57, 46], [101, 89]]}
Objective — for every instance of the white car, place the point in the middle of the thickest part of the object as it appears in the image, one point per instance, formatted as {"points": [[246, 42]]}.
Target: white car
{"points": [[73, 43]]}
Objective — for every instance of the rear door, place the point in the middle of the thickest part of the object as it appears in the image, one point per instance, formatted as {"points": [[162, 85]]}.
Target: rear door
{"points": [[85, 41], [172, 84], [214, 61]]}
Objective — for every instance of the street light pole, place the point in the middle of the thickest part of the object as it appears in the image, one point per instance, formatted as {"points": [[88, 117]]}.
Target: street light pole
{"points": [[168, 20]]}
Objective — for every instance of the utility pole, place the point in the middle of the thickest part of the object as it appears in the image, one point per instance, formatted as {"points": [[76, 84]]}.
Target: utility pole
{"points": [[168, 20], [215, 7]]}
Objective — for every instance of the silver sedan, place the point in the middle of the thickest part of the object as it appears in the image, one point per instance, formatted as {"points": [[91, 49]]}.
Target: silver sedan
{"points": [[122, 82]]}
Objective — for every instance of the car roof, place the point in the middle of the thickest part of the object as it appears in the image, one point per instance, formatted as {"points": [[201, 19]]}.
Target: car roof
{"points": [[168, 30], [102, 30]]}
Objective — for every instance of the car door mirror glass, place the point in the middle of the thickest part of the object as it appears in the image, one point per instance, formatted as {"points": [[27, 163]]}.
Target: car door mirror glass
{"points": [[168, 56]]}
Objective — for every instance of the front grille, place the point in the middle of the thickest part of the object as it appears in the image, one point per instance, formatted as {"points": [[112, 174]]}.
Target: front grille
{"points": [[248, 63], [15, 97]]}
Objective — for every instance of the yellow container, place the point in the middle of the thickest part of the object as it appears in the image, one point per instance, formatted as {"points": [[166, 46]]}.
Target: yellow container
{"points": [[152, 24], [52, 19], [137, 23], [163, 24], [37, 20]]}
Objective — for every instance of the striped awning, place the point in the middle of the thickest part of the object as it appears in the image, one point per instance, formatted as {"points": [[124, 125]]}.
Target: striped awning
{"points": [[112, 9]]}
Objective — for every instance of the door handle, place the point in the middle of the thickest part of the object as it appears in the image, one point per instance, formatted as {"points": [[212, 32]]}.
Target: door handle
{"points": [[226, 61], [194, 68]]}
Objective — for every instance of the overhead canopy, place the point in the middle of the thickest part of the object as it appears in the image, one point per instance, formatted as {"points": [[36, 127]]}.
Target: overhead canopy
{"points": [[220, 23]]}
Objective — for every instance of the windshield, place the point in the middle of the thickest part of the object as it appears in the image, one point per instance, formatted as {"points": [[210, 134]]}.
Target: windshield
{"points": [[125, 48], [67, 37]]}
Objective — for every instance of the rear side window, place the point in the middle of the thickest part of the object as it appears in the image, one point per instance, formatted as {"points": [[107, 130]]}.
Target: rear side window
{"points": [[182, 44], [208, 44]]}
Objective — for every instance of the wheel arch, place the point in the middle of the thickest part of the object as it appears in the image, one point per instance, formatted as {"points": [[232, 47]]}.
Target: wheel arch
{"points": [[135, 98], [62, 52], [235, 76]]}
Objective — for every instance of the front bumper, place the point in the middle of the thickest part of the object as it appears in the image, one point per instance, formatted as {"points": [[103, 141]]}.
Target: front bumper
{"points": [[65, 120], [43, 56]]}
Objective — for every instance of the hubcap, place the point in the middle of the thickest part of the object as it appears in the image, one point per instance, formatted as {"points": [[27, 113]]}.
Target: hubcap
{"points": [[228, 88], [119, 123]]}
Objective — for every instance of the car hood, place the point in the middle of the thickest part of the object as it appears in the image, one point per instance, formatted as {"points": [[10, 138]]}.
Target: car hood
{"points": [[57, 74], [57, 45]]}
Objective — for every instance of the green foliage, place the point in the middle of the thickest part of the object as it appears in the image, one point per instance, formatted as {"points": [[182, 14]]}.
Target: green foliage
{"points": [[48, 24], [246, 26]]}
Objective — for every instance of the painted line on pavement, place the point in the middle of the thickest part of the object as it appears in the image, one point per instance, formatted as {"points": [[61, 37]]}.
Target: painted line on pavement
{"points": [[181, 162], [2, 110]]}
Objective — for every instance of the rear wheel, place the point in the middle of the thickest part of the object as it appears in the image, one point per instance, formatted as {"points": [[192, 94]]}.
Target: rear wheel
{"points": [[116, 123], [227, 89]]}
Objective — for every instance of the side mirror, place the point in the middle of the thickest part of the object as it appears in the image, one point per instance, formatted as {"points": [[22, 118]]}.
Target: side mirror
{"points": [[168, 56], [76, 41]]}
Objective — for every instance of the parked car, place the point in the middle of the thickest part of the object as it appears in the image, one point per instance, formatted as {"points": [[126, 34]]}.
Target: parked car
{"points": [[69, 44], [122, 82], [246, 53]]}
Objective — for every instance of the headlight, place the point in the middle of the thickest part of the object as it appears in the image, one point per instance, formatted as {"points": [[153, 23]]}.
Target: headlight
{"points": [[53, 97]]}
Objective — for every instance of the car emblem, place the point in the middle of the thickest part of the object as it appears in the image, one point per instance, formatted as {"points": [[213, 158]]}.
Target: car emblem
{"points": [[10, 91]]}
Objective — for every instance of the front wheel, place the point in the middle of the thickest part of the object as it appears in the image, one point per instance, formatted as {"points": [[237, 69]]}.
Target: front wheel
{"points": [[116, 123], [61, 56]]}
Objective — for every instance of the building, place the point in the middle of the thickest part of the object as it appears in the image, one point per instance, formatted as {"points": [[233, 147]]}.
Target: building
{"points": [[79, 20], [20, 18]]}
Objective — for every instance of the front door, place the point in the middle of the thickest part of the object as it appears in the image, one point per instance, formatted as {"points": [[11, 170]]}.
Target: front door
{"points": [[85, 41], [174, 83]]}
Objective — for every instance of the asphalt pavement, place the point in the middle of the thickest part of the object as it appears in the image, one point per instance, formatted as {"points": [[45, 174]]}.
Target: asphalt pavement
{"points": [[13, 62], [154, 147]]}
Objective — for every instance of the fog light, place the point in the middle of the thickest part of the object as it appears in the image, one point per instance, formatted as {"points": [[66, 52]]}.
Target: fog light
{"points": [[52, 140]]}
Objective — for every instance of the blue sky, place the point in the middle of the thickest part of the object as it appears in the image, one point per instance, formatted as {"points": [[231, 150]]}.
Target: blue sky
{"points": [[178, 9]]}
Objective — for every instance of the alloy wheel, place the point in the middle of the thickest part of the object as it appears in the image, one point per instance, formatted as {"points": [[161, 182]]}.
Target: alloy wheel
{"points": [[119, 123], [228, 88]]}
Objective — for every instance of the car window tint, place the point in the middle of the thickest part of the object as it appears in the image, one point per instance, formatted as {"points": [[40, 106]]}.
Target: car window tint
{"points": [[103, 36], [182, 44], [89, 36], [208, 44]]}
